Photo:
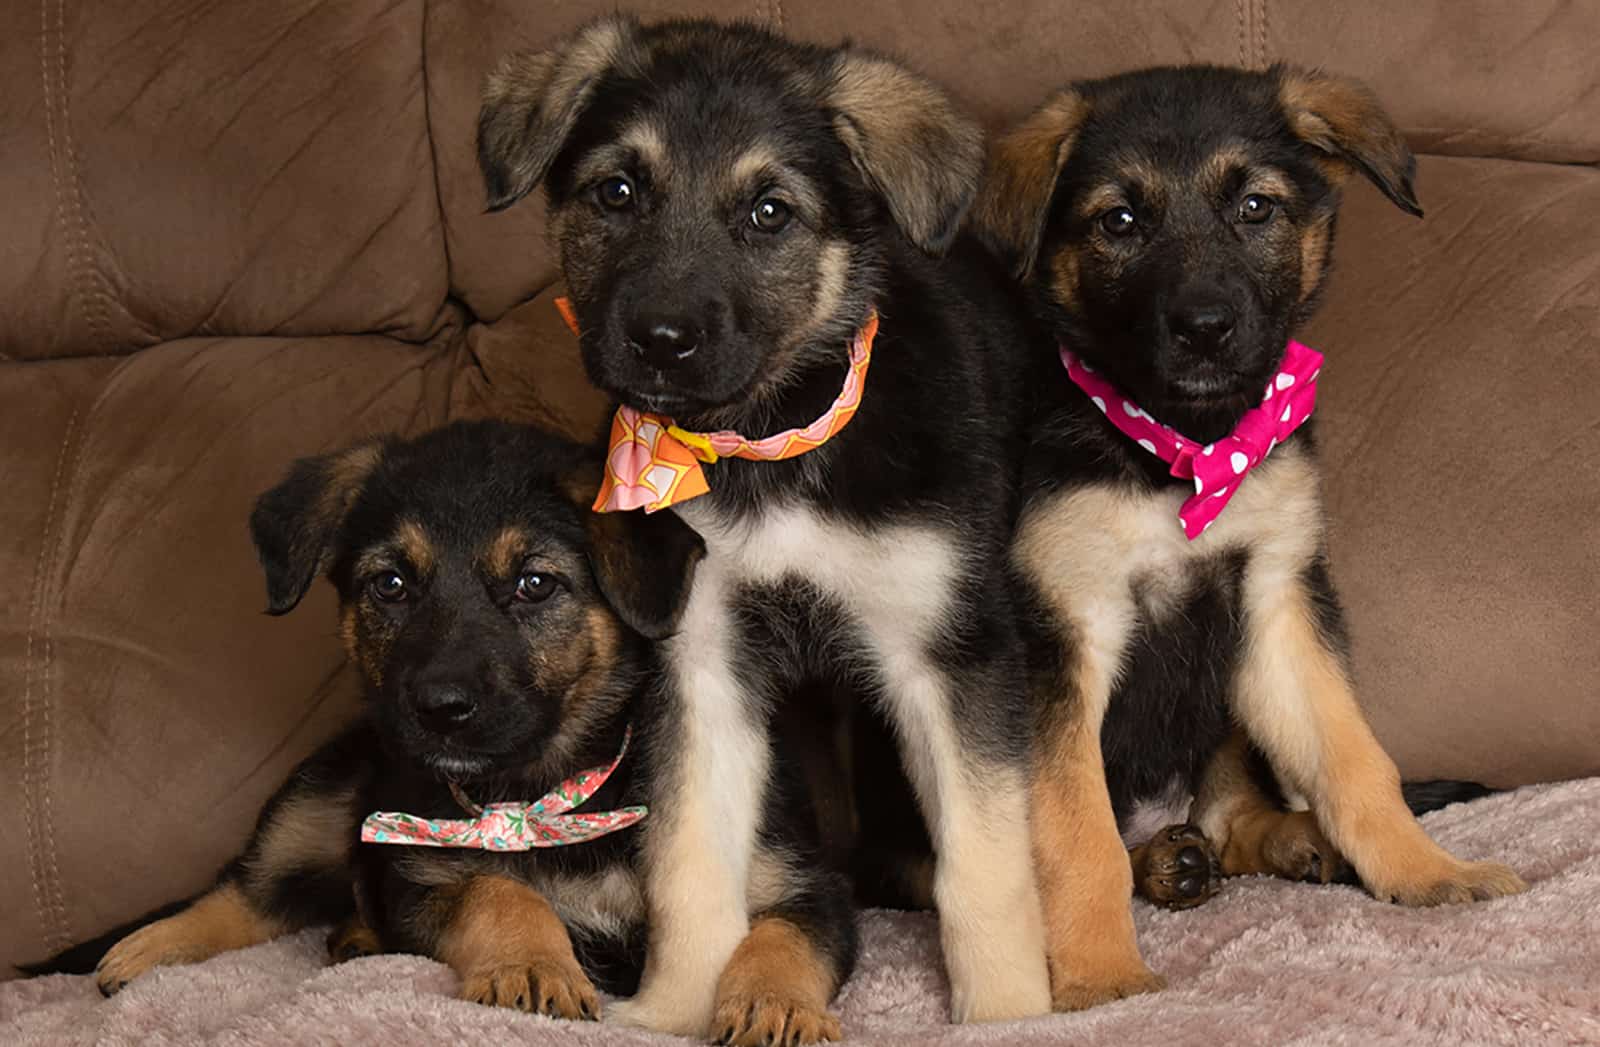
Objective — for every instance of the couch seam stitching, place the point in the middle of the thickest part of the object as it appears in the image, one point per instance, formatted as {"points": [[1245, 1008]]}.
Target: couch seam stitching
{"points": [[43, 864], [1240, 15], [433, 163], [1261, 34], [84, 282]]}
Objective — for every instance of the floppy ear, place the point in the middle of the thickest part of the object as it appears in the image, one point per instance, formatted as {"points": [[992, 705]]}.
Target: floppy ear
{"points": [[910, 142], [531, 102], [643, 562], [1020, 183], [296, 524], [1342, 119]]}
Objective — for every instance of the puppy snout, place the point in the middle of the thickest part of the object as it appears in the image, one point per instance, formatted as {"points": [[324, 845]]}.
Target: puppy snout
{"points": [[664, 340], [1202, 326], [444, 708]]}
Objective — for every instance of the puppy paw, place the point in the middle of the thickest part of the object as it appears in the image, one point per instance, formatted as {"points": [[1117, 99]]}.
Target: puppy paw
{"points": [[772, 1020], [164, 943], [558, 989], [1459, 882], [352, 940], [1079, 990], [1296, 849], [1181, 869]]}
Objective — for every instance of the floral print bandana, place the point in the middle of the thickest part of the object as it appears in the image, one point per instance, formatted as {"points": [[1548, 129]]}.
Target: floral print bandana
{"points": [[1217, 469], [546, 822], [652, 463]]}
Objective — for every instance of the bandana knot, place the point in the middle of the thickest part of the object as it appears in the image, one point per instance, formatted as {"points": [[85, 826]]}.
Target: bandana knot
{"points": [[515, 826], [652, 463], [1217, 469]]}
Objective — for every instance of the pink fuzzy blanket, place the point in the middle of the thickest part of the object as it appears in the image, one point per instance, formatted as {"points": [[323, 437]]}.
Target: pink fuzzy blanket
{"points": [[1266, 962]]}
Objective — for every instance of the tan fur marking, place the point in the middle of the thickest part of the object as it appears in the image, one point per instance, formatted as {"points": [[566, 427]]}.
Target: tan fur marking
{"points": [[305, 831], [1102, 198], [414, 543], [910, 140], [510, 949], [1064, 269], [647, 140], [1313, 256], [216, 923], [1021, 178], [775, 989], [348, 635], [833, 266], [502, 557], [751, 164]]}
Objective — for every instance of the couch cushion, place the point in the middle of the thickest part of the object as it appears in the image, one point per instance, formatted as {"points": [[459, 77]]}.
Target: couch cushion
{"points": [[214, 169], [1459, 432], [157, 706]]}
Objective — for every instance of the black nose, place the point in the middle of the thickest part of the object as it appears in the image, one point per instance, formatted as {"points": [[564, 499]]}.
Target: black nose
{"points": [[664, 341], [1202, 326], [443, 708]]}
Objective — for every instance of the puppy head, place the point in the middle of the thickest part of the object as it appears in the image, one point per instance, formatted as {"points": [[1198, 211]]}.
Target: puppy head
{"points": [[721, 196], [1175, 224], [494, 619]]}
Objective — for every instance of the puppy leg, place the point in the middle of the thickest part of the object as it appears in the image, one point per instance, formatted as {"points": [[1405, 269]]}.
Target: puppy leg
{"points": [[984, 887], [777, 987], [510, 949], [294, 872], [1251, 830], [1084, 872], [713, 761], [352, 939], [1294, 697]]}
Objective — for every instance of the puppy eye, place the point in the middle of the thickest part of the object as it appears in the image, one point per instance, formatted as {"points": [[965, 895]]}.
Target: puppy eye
{"points": [[770, 214], [389, 587], [1256, 208], [1119, 221], [534, 587], [616, 193]]}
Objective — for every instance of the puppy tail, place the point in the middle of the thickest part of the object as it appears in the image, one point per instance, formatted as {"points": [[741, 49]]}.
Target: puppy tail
{"points": [[85, 956], [1423, 797]]}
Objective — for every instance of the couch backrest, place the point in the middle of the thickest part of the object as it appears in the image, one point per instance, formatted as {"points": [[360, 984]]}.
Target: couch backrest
{"points": [[245, 168], [307, 167]]}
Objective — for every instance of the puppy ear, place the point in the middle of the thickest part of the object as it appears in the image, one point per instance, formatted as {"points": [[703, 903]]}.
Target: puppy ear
{"points": [[1020, 183], [910, 142], [1341, 118], [643, 562], [532, 101], [296, 524]]}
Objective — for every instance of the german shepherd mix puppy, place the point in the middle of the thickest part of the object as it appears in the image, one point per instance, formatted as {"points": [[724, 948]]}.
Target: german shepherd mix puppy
{"points": [[733, 211], [1173, 228], [504, 635]]}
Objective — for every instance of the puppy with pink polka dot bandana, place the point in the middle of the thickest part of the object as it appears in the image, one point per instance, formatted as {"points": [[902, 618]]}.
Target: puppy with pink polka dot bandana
{"points": [[1172, 229]]}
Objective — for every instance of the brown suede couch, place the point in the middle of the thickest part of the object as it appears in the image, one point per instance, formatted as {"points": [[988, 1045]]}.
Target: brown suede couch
{"points": [[234, 233]]}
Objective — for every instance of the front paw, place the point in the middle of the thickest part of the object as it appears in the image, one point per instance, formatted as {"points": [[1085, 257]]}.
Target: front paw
{"points": [[772, 1020], [1457, 883], [553, 987], [1084, 986]]}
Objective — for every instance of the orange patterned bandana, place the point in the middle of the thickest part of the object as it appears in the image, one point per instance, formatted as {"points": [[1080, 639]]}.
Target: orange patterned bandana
{"points": [[652, 463]]}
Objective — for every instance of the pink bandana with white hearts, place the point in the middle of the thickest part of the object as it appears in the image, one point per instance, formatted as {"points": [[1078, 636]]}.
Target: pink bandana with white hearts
{"points": [[1217, 469], [514, 826]]}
